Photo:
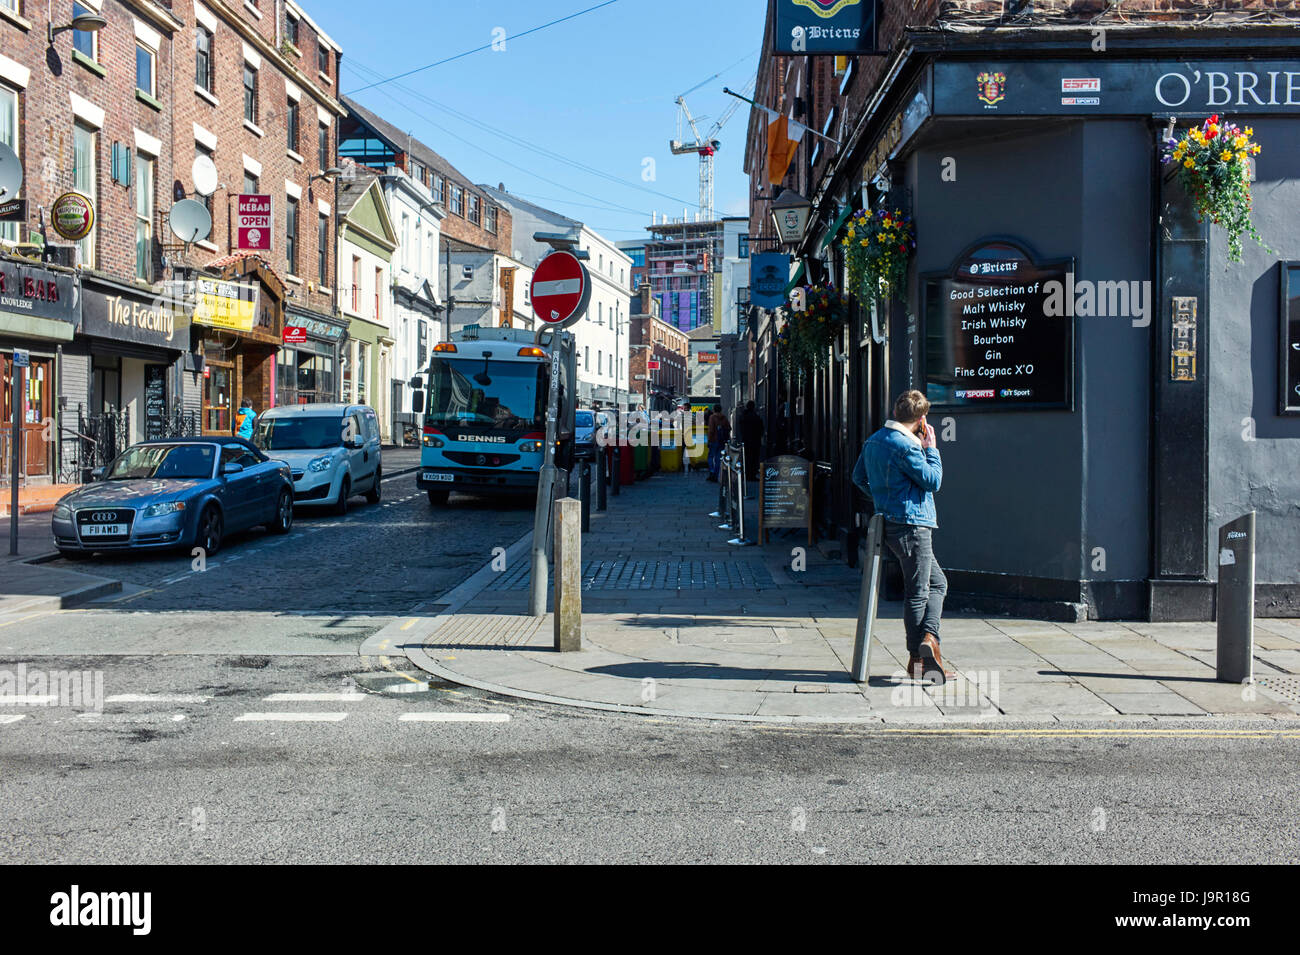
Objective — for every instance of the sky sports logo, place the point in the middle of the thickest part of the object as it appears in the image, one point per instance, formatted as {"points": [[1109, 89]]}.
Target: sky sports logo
{"points": [[981, 393], [77, 908]]}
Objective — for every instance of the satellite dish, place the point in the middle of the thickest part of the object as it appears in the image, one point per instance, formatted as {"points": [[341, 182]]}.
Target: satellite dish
{"points": [[190, 221], [11, 173], [204, 173]]}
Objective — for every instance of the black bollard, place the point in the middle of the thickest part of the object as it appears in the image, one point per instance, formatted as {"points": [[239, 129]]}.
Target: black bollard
{"points": [[602, 478], [584, 494], [616, 479]]}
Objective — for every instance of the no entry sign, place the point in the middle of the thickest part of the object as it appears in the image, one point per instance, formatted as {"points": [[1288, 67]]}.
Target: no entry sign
{"points": [[561, 289]]}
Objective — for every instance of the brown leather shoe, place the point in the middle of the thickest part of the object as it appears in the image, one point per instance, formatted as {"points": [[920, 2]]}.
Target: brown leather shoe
{"points": [[932, 661], [914, 667]]}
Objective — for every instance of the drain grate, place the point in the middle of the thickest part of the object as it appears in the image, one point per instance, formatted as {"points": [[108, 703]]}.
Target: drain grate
{"points": [[1285, 689], [655, 575]]}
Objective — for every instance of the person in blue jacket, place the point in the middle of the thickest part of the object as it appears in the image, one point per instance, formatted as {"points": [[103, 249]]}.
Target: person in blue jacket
{"points": [[245, 418], [900, 468]]}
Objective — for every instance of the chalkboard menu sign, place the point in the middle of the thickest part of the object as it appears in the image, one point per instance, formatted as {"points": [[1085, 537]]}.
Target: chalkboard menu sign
{"points": [[155, 402], [783, 495], [1288, 375], [999, 331]]}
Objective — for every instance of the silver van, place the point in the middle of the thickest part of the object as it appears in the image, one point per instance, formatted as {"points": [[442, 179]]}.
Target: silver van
{"points": [[332, 450]]}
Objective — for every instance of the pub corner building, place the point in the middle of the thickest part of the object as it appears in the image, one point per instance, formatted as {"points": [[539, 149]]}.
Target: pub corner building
{"points": [[1108, 386]]}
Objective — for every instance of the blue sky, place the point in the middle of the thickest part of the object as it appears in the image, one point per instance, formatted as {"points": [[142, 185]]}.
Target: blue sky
{"points": [[598, 89]]}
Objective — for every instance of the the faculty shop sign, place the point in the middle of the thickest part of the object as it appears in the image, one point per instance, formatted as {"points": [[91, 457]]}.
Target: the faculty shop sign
{"points": [[1116, 87]]}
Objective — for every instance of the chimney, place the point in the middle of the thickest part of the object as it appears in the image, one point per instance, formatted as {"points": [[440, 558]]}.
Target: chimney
{"points": [[644, 291]]}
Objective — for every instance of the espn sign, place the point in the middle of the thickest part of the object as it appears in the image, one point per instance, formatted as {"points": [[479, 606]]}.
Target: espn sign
{"points": [[1084, 84]]}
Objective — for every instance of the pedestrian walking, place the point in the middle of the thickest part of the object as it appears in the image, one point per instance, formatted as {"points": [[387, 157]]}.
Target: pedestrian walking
{"points": [[901, 469], [719, 433], [751, 434], [245, 418]]}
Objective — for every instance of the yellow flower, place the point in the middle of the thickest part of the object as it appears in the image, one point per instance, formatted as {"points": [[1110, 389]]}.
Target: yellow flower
{"points": [[1250, 131], [863, 243], [1188, 163], [1242, 155], [1226, 155]]}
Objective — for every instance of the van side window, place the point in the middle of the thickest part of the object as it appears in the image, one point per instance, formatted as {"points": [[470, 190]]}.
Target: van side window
{"points": [[372, 426]]}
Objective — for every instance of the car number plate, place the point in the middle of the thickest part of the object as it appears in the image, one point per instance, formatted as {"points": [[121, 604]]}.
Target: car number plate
{"points": [[103, 530], [436, 476]]}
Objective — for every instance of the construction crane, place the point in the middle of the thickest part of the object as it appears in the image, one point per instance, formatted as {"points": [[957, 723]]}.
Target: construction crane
{"points": [[704, 146]]}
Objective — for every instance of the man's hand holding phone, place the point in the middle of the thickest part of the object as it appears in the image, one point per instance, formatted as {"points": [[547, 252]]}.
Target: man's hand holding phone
{"points": [[925, 433]]}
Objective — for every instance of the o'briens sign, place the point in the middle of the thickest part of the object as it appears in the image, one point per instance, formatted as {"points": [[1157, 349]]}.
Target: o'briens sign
{"points": [[1115, 87]]}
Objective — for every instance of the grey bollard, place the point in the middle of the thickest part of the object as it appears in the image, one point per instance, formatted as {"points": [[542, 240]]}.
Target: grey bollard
{"points": [[584, 494], [868, 599], [616, 476], [568, 574], [602, 479], [1234, 604]]}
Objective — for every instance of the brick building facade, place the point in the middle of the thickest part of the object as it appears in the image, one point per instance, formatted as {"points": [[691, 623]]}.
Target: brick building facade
{"points": [[653, 339], [257, 95], [90, 113]]}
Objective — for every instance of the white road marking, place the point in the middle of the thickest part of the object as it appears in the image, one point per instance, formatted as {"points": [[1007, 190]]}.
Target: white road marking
{"points": [[7, 718], [454, 718], [155, 698], [314, 697], [291, 717], [29, 700]]}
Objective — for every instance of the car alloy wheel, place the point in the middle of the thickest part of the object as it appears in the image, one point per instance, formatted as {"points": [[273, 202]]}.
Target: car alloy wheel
{"points": [[283, 514], [209, 537]]}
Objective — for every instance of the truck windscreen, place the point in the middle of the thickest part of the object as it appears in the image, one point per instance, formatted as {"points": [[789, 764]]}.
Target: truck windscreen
{"points": [[487, 393]]}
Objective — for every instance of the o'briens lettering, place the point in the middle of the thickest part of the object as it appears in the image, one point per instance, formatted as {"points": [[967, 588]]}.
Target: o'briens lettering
{"points": [[74, 907]]}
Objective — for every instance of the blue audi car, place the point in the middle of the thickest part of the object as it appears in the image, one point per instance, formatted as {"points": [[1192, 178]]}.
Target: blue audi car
{"points": [[184, 492]]}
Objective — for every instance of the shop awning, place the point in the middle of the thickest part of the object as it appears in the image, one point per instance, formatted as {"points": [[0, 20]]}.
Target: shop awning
{"points": [[836, 226], [798, 277]]}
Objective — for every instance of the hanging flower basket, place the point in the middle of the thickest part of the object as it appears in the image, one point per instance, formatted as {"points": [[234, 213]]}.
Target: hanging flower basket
{"points": [[877, 248], [806, 339], [1213, 168]]}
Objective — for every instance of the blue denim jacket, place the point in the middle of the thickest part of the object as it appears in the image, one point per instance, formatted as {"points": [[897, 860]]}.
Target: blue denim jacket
{"points": [[900, 476]]}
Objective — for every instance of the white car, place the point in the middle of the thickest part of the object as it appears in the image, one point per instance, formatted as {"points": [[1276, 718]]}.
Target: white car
{"points": [[332, 450]]}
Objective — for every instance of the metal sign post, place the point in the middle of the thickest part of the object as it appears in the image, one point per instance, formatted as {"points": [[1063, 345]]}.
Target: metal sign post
{"points": [[868, 599], [738, 519], [1235, 601], [546, 487], [21, 360], [560, 291], [724, 502]]}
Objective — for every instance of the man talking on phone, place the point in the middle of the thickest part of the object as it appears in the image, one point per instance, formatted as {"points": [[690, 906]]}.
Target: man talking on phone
{"points": [[900, 468]]}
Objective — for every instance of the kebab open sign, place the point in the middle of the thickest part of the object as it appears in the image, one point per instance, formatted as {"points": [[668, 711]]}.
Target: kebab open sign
{"points": [[561, 289], [253, 222]]}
